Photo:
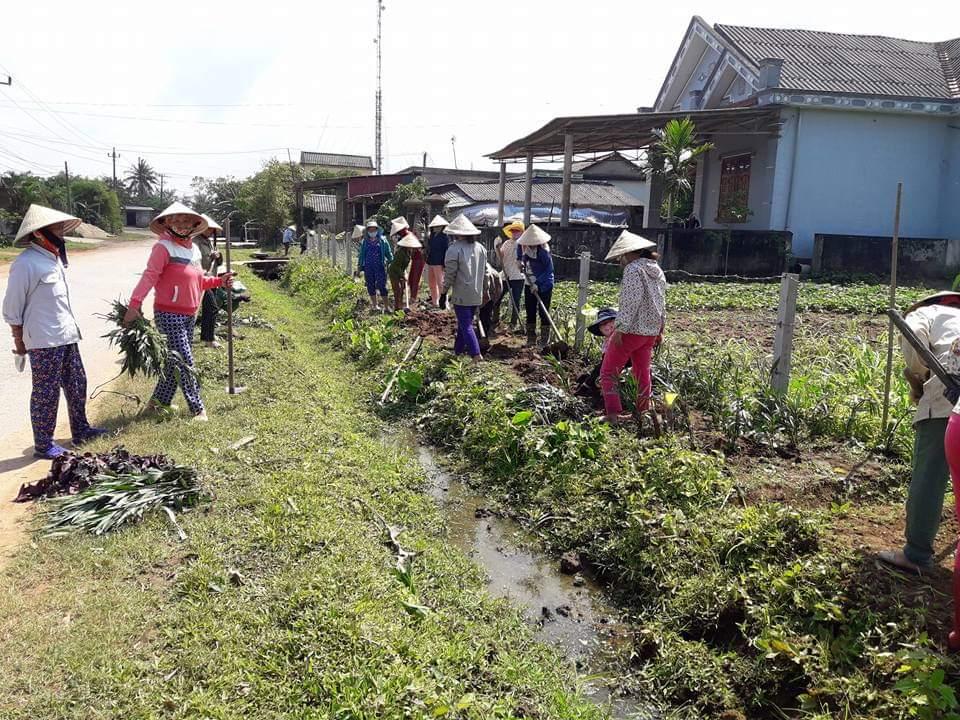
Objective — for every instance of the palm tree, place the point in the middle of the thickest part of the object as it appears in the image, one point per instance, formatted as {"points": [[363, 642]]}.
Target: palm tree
{"points": [[141, 179], [673, 158]]}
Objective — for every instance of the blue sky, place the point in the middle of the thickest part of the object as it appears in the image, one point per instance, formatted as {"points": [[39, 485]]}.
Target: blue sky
{"points": [[211, 87]]}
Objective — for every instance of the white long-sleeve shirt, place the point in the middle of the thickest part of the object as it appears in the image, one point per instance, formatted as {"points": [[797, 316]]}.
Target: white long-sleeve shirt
{"points": [[38, 298], [939, 327], [643, 298]]}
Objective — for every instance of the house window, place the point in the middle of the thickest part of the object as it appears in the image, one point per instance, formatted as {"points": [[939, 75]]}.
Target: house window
{"points": [[734, 189]]}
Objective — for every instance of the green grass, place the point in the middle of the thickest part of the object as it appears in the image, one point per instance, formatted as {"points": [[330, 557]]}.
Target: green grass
{"points": [[140, 625]]}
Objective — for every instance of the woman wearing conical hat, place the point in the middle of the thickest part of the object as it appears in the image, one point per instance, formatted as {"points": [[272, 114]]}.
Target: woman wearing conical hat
{"points": [[37, 308], [178, 282], [437, 245], [536, 263], [206, 242], [639, 323], [407, 246], [464, 269]]}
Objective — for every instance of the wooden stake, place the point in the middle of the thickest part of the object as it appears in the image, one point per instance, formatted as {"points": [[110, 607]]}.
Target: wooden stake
{"points": [[783, 342], [414, 348], [582, 297], [895, 254], [232, 389]]}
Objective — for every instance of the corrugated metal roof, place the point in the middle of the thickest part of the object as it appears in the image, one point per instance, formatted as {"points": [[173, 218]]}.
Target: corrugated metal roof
{"points": [[336, 160], [320, 203], [544, 193], [861, 64]]}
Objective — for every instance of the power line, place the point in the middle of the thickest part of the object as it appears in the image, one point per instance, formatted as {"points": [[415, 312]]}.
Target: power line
{"points": [[129, 148], [76, 131], [174, 106]]}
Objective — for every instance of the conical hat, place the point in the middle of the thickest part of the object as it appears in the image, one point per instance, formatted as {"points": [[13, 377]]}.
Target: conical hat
{"points": [[438, 221], [211, 223], [398, 224], [357, 232], [372, 222], [409, 241], [628, 242], [157, 226], [462, 226], [945, 297], [533, 235], [38, 217]]}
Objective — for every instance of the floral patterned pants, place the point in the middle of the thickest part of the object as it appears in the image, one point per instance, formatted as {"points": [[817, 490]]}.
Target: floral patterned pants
{"points": [[179, 332], [52, 369]]}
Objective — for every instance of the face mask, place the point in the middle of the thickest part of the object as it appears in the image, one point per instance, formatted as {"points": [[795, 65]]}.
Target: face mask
{"points": [[57, 242]]}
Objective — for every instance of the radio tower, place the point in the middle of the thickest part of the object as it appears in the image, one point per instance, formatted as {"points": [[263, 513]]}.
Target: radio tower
{"points": [[379, 111]]}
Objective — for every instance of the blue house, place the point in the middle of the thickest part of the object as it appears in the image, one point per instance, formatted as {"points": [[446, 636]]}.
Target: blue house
{"points": [[811, 133], [856, 114]]}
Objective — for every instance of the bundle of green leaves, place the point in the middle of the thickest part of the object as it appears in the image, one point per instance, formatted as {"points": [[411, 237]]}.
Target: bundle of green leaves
{"points": [[115, 500], [143, 347]]}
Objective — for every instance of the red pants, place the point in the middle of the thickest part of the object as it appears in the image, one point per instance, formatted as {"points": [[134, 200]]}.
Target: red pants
{"points": [[951, 444], [416, 272], [639, 350]]}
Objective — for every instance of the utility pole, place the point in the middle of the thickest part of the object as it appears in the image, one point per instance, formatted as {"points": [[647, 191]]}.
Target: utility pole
{"points": [[161, 188], [114, 156], [379, 100], [453, 144], [424, 159], [66, 172]]}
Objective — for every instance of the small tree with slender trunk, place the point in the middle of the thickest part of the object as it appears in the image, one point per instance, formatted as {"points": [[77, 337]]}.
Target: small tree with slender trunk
{"points": [[673, 158]]}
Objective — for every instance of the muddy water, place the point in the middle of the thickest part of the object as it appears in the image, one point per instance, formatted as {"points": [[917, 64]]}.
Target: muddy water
{"points": [[574, 619]]}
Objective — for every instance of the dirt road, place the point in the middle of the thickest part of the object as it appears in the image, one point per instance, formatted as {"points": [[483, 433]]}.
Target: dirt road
{"points": [[95, 278]]}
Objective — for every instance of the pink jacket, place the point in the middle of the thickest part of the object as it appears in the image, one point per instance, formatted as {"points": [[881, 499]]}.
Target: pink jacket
{"points": [[176, 277]]}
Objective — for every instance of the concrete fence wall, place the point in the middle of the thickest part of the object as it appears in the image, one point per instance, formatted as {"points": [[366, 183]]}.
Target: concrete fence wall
{"points": [[934, 261]]}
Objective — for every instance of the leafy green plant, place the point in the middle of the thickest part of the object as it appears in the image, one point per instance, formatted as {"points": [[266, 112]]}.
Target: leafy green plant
{"points": [[115, 500]]}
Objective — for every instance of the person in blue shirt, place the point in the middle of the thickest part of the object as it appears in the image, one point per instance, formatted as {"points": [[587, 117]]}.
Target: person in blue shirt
{"points": [[288, 238], [375, 255], [436, 252], [37, 307], [533, 254]]}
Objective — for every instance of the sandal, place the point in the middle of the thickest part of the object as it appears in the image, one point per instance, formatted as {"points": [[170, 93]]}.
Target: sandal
{"points": [[897, 559]]}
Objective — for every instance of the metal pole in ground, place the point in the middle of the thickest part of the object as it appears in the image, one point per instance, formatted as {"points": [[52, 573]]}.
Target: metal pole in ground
{"points": [[582, 297], [894, 256], [783, 341]]}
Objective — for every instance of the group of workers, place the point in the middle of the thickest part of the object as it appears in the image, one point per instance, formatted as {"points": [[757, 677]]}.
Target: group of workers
{"points": [[182, 273], [458, 266]]}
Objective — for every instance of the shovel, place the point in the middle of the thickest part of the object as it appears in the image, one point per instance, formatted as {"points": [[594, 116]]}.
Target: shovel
{"points": [[559, 349]]}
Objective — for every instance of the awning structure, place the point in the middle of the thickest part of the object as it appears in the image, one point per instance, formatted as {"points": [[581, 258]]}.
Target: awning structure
{"points": [[607, 133]]}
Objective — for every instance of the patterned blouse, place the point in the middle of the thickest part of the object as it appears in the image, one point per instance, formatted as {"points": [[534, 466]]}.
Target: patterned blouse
{"points": [[643, 299]]}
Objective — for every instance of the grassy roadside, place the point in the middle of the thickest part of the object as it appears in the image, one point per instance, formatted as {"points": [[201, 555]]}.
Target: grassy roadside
{"points": [[281, 603], [741, 608]]}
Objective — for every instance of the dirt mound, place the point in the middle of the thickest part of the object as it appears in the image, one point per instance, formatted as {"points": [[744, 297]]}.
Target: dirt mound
{"points": [[90, 232]]}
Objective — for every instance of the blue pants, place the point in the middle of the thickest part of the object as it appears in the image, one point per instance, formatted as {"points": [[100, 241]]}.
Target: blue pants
{"points": [[466, 336], [179, 332], [52, 369], [376, 279]]}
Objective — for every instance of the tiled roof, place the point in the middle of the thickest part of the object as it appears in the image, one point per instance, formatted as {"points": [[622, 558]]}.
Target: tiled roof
{"points": [[544, 193], [320, 203], [861, 64], [336, 160]]}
